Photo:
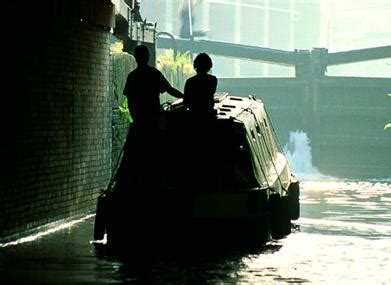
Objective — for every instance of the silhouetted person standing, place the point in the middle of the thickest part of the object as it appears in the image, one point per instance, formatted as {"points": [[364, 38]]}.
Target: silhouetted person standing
{"points": [[142, 161], [199, 89], [143, 88], [199, 99]]}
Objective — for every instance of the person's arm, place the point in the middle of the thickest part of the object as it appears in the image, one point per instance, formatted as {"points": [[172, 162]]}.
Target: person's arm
{"points": [[166, 87], [174, 92]]}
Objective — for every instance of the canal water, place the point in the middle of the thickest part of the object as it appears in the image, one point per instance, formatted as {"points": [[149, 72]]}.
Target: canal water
{"points": [[342, 237]]}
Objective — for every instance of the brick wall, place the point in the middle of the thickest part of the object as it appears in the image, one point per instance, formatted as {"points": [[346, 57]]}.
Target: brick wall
{"points": [[120, 66], [56, 148]]}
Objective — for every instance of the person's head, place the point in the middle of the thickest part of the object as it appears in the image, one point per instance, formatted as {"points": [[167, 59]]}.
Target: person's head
{"points": [[202, 63], [141, 54]]}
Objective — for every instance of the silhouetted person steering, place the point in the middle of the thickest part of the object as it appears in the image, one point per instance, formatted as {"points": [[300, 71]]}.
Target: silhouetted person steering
{"points": [[142, 162], [143, 88], [199, 89]]}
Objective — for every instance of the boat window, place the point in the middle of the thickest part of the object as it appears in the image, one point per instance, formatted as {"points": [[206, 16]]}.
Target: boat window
{"points": [[259, 150], [235, 99], [224, 109], [265, 122], [253, 135], [228, 106], [258, 129]]}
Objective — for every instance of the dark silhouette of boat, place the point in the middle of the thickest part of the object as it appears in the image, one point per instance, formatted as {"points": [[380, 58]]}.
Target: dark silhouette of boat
{"points": [[204, 179]]}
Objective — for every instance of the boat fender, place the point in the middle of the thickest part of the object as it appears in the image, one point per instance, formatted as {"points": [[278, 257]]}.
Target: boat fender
{"points": [[276, 217], [285, 210], [257, 202], [100, 218], [294, 200]]}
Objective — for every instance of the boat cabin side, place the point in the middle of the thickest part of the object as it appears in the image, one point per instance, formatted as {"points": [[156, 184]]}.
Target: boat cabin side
{"points": [[236, 151]]}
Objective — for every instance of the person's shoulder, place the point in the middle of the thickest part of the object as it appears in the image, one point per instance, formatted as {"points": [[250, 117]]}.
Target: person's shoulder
{"points": [[153, 69], [192, 79], [211, 78], [133, 73]]}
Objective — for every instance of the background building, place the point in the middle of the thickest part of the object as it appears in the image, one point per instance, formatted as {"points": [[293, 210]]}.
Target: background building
{"points": [[284, 24]]}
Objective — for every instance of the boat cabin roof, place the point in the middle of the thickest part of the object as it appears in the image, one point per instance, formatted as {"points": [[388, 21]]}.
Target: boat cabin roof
{"points": [[232, 106]]}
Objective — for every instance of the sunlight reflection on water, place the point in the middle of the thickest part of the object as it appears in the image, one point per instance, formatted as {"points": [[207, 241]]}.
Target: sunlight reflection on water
{"points": [[324, 259], [347, 185], [342, 237]]}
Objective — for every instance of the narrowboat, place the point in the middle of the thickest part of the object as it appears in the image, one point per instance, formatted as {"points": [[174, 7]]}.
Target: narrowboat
{"points": [[223, 178]]}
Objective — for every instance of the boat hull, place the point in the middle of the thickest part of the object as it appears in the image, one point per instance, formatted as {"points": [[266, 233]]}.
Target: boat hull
{"points": [[176, 218], [192, 218]]}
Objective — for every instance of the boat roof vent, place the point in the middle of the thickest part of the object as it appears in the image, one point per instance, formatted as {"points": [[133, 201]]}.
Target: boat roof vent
{"points": [[236, 98], [228, 106]]}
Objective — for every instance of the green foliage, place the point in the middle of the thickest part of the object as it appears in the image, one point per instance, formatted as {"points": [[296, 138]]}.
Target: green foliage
{"points": [[116, 47], [176, 70], [124, 111], [122, 64]]}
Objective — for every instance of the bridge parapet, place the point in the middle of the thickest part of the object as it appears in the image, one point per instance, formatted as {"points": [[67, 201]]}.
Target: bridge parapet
{"points": [[311, 63]]}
